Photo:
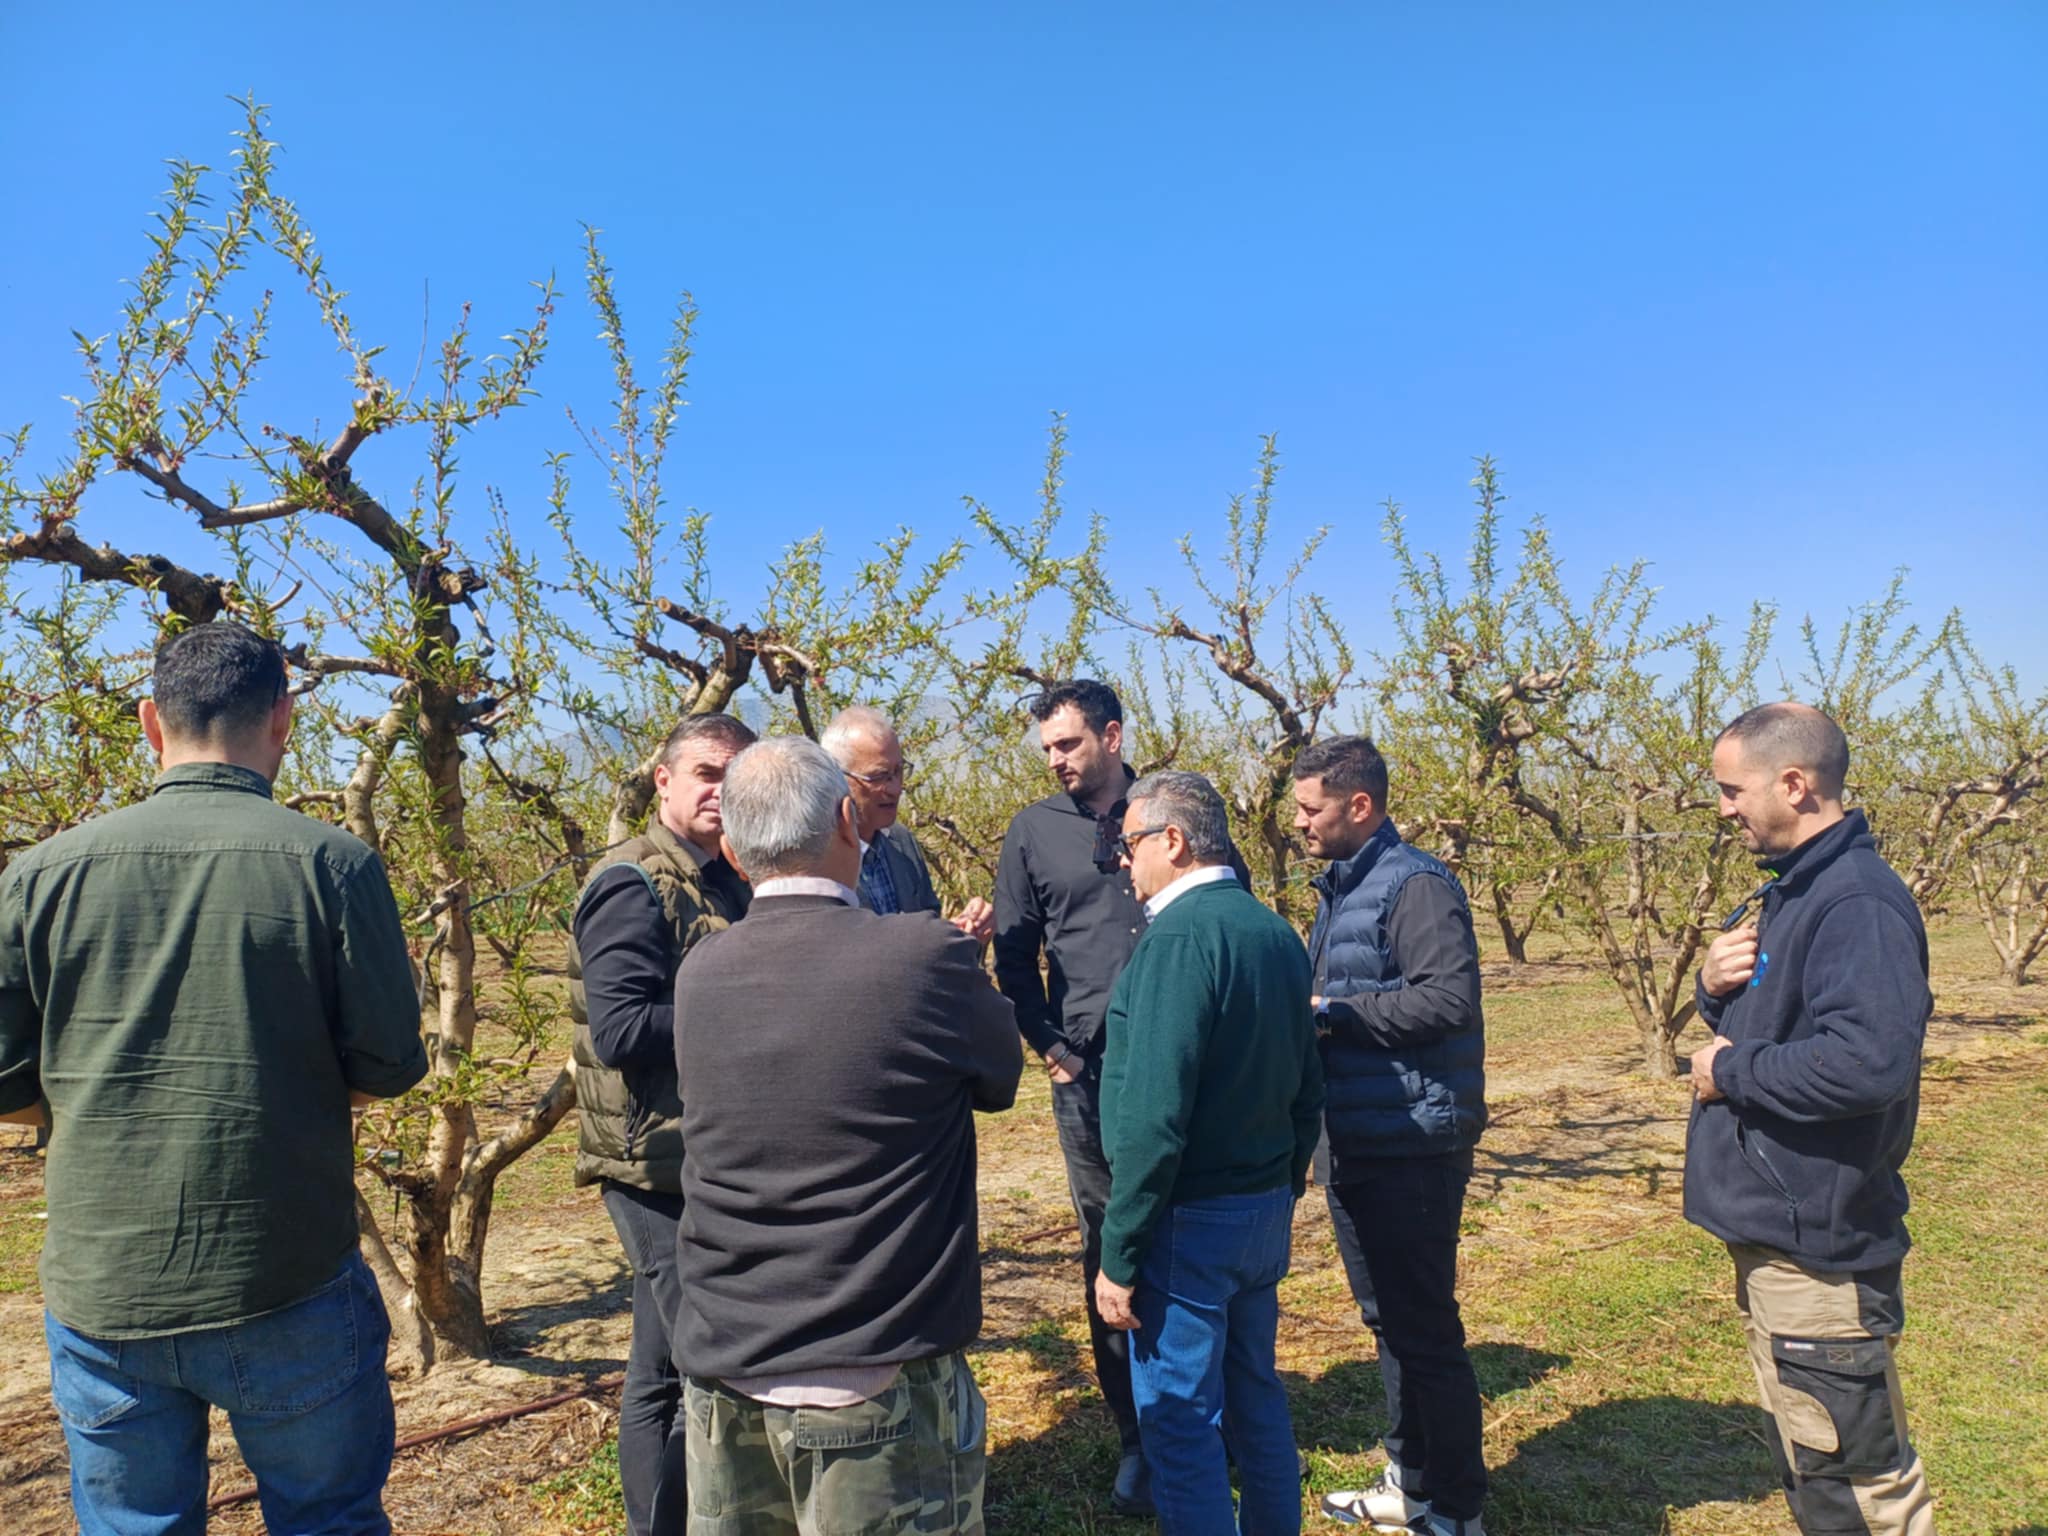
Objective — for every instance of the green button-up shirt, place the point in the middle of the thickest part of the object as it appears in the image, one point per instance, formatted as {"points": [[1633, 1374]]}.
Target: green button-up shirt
{"points": [[194, 984]]}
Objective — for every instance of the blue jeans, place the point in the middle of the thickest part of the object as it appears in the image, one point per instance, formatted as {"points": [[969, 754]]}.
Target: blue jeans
{"points": [[305, 1392], [1202, 1367]]}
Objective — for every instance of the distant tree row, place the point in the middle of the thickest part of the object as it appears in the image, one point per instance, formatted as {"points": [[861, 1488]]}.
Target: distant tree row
{"points": [[480, 700]]}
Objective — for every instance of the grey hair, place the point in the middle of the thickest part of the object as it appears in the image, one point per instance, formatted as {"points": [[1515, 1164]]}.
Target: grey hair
{"points": [[780, 803], [850, 725], [1175, 798]]}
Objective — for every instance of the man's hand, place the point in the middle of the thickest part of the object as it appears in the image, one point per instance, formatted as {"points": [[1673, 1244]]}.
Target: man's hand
{"points": [[977, 920], [1113, 1301], [1731, 961], [1703, 1087], [1059, 1068]]}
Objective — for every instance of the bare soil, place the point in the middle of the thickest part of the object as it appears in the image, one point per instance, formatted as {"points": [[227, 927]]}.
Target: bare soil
{"points": [[1567, 1115]]}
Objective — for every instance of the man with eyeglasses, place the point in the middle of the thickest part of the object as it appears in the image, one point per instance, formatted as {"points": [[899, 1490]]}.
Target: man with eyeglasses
{"points": [[1212, 1099], [893, 874]]}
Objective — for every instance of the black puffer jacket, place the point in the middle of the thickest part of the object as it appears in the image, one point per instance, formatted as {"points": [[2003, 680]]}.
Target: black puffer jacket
{"points": [[1823, 1080]]}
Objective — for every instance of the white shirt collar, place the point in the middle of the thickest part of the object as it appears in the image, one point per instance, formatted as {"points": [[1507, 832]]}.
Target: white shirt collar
{"points": [[1208, 874], [809, 885]]}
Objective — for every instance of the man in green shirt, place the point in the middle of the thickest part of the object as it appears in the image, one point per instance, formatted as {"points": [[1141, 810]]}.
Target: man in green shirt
{"points": [[1212, 1098], [195, 990]]}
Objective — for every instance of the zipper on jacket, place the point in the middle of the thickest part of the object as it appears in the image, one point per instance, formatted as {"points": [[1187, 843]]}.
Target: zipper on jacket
{"points": [[1761, 1165]]}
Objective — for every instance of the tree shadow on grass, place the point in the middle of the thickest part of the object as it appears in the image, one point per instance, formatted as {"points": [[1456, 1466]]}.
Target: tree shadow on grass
{"points": [[1058, 1481], [1343, 1412], [1618, 1468], [549, 1334]]}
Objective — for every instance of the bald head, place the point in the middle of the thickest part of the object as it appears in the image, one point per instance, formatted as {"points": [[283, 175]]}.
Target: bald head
{"points": [[1774, 737]]}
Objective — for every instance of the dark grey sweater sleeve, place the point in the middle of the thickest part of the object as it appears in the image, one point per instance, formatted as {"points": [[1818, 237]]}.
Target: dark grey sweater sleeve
{"points": [[1431, 936]]}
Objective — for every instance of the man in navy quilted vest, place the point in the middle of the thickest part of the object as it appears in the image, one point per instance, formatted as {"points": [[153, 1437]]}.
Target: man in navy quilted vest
{"points": [[1404, 1059]]}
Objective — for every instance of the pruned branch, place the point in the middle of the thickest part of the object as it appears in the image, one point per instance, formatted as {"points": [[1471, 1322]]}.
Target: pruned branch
{"points": [[188, 594]]}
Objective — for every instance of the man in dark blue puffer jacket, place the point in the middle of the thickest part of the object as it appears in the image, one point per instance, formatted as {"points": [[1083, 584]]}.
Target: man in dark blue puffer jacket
{"points": [[1806, 1102], [1404, 1060]]}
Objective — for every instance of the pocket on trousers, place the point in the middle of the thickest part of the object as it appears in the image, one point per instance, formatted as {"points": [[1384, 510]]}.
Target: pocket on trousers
{"points": [[969, 1410], [877, 1421], [87, 1383], [309, 1353], [1836, 1406]]}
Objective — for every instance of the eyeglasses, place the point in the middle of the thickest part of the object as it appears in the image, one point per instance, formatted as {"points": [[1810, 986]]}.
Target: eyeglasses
{"points": [[900, 774], [1127, 842]]}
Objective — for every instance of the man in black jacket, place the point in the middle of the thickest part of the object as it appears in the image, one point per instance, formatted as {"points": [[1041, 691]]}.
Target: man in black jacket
{"points": [[638, 915], [1404, 1067], [1061, 890], [1806, 1099], [829, 1245]]}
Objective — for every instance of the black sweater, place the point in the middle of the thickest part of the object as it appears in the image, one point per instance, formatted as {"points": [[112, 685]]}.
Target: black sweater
{"points": [[830, 1061], [1822, 1083]]}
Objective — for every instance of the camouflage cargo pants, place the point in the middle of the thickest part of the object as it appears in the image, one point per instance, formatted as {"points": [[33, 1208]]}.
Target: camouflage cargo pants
{"points": [[911, 1459]]}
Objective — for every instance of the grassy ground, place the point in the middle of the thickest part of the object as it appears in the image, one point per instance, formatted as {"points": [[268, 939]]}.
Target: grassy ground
{"points": [[1617, 1392], [1618, 1397]]}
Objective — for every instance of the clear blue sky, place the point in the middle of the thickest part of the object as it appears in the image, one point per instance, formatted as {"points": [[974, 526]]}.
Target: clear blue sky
{"points": [[1757, 291]]}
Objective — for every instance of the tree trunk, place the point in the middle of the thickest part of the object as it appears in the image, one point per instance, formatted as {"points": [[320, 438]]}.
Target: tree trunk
{"points": [[448, 1285], [1660, 1051], [1513, 939], [412, 1340]]}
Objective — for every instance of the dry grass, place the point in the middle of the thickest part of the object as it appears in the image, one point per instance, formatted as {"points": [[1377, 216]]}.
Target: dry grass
{"points": [[1617, 1392]]}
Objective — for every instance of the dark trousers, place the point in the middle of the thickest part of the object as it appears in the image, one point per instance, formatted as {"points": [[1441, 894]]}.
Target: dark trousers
{"points": [[1397, 1230], [646, 1222], [1077, 1111]]}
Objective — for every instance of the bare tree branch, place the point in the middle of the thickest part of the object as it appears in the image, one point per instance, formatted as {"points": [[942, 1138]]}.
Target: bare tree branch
{"points": [[188, 594]]}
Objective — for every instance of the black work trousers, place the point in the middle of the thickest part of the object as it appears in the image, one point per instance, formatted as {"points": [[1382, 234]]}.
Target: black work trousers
{"points": [[1397, 1230], [646, 1221], [1077, 1112]]}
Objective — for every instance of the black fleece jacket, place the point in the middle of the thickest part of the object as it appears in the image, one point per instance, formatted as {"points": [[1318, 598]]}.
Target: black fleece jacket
{"points": [[1822, 1082]]}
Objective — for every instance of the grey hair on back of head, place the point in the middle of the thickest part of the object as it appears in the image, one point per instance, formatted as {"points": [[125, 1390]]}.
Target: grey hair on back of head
{"points": [[780, 802]]}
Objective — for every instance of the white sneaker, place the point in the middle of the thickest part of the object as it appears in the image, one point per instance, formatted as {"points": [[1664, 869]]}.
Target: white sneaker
{"points": [[1385, 1506]]}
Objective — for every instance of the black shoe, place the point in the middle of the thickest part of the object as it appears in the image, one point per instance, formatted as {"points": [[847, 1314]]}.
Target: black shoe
{"points": [[1132, 1494]]}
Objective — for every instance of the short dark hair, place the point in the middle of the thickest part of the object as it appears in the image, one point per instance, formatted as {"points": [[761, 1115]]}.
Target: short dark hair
{"points": [[729, 729], [1349, 765], [216, 679], [1791, 735], [1097, 703]]}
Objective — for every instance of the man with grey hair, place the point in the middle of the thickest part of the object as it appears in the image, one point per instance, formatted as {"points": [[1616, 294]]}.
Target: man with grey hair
{"points": [[1806, 1100], [829, 1239], [1212, 1098], [893, 874]]}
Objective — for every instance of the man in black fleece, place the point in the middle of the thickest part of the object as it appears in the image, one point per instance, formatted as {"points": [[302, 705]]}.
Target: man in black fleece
{"points": [[1806, 1099], [831, 1060]]}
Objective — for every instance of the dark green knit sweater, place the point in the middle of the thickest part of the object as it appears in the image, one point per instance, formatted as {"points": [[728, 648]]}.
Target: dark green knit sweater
{"points": [[1211, 1084]]}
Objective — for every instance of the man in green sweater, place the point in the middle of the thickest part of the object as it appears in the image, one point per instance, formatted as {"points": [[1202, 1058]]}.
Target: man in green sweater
{"points": [[1212, 1098]]}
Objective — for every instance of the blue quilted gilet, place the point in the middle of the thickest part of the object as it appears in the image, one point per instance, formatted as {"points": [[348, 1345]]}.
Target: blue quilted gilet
{"points": [[1410, 1101]]}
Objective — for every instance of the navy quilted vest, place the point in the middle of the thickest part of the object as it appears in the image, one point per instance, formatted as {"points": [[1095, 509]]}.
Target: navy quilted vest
{"points": [[1412, 1101]]}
